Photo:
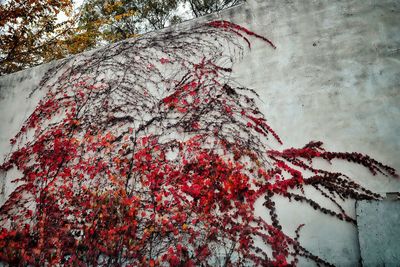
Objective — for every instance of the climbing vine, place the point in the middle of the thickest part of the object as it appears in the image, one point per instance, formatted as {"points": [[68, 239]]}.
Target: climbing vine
{"points": [[147, 152]]}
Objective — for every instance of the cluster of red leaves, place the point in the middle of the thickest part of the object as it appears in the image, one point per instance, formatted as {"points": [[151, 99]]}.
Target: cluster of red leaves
{"points": [[100, 187]]}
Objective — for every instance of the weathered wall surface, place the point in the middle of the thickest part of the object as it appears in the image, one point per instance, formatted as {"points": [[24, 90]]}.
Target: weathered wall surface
{"points": [[379, 232], [16, 104], [334, 77]]}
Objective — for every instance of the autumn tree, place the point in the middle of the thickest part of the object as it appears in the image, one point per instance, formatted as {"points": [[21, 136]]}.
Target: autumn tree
{"points": [[101, 22], [203, 7], [29, 31], [107, 21]]}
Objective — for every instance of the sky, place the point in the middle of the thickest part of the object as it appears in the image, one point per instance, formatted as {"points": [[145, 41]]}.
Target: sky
{"points": [[62, 17]]}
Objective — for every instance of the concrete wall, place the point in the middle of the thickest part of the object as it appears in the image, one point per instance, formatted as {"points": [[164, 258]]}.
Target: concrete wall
{"points": [[334, 77], [379, 232]]}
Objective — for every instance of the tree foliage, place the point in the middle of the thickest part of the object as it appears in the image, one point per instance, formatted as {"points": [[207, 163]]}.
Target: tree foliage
{"points": [[106, 21], [203, 7], [102, 22], [29, 32]]}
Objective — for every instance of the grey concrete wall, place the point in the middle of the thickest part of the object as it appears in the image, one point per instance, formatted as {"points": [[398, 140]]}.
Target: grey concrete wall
{"points": [[334, 77], [379, 232]]}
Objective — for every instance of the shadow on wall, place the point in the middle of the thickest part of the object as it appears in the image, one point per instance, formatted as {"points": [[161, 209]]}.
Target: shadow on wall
{"points": [[379, 231]]}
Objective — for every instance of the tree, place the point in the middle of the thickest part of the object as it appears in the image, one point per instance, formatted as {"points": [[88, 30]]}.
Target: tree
{"points": [[146, 152], [103, 22], [203, 7], [158, 14], [108, 21], [29, 31]]}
